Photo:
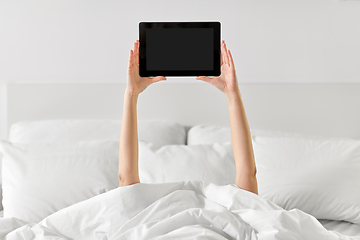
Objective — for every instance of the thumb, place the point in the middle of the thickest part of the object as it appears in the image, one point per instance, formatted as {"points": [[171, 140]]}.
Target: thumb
{"points": [[157, 79], [205, 79]]}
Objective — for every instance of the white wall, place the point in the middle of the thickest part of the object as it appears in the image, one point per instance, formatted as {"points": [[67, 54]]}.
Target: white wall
{"points": [[89, 41], [3, 113]]}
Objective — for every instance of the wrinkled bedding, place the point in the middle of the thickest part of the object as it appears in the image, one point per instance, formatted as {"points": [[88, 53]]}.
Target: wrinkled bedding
{"points": [[181, 210], [343, 227]]}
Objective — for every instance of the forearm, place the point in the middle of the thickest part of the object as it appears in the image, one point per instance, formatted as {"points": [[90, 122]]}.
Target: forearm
{"points": [[128, 149], [242, 144]]}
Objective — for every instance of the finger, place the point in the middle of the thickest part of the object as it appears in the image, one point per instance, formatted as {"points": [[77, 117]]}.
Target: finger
{"points": [[223, 52], [160, 78], [157, 79], [130, 59], [221, 61], [205, 79], [134, 54], [227, 61], [231, 60], [137, 44]]}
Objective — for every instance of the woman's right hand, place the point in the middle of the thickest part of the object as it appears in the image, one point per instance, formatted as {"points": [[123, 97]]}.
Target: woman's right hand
{"points": [[135, 83], [227, 81]]}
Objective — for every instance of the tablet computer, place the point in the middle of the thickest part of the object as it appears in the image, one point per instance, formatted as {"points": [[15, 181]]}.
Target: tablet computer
{"points": [[179, 49]]}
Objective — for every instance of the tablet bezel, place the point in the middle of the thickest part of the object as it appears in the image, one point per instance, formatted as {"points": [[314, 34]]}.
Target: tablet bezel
{"points": [[177, 73]]}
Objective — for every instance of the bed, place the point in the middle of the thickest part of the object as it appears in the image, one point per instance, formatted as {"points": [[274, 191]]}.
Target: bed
{"points": [[291, 151]]}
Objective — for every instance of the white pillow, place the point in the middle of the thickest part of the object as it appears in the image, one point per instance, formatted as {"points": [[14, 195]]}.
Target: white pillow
{"points": [[171, 163], [209, 134], [320, 177], [159, 132], [40, 179]]}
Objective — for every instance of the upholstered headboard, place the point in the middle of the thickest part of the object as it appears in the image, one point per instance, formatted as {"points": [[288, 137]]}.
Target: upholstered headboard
{"points": [[321, 109]]}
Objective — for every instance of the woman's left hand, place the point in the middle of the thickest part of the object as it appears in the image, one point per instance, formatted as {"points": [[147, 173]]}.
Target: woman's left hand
{"points": [[227, 82], [135, 83]]}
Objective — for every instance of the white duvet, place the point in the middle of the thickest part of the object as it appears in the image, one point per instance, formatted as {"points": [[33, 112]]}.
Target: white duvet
{"points": [[181, 210]]}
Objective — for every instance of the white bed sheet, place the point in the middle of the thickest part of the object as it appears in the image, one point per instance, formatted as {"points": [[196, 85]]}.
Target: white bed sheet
{"points": [[182, 210], [342, 227]]}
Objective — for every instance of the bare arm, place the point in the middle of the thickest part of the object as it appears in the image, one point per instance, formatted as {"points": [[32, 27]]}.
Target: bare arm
{"points": [[242, 145], [240, 132], [128, 147]]}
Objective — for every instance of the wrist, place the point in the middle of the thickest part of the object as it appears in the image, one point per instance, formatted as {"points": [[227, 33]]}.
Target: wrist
{"points": [[233, 95], [131, 93]]}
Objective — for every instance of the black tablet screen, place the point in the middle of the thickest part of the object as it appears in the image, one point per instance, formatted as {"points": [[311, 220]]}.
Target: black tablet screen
{"points": [[179, 49]]}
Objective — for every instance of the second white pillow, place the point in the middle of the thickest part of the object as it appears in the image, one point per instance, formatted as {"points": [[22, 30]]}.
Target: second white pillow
{"points": [[171, 163], [319, 177]]}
